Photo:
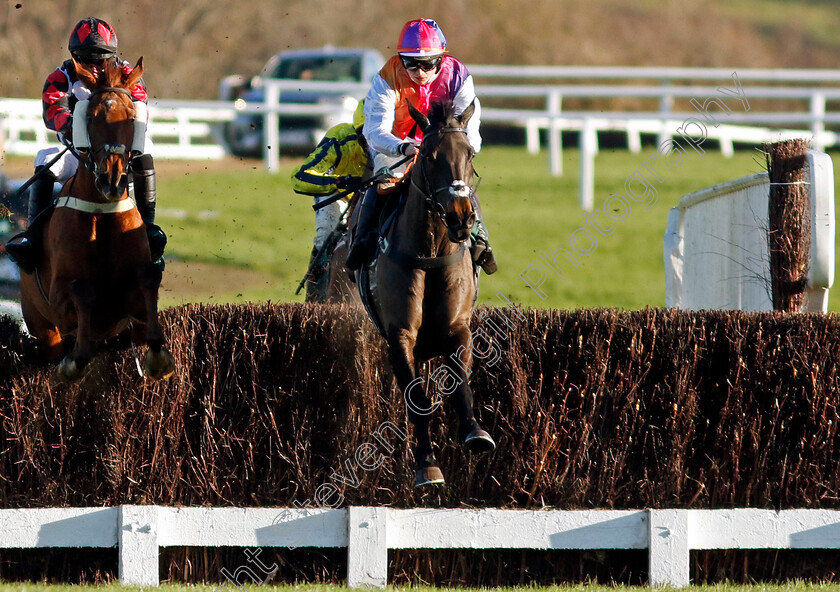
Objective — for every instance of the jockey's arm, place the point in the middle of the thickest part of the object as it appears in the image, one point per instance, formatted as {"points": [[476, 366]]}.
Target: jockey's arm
{"points": [[318, 174], [380, 107], [55, 100], [462, 100]]}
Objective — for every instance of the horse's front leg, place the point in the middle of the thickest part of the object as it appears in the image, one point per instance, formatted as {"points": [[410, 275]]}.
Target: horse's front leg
{"points": [[159, 362], [401, 352], [74, 366], [458, 366]]}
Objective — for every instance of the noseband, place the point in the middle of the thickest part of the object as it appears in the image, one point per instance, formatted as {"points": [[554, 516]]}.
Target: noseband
{"points": [[456, 189]]}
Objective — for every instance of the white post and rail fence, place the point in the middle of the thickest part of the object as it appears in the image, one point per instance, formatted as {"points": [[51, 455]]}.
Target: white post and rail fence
{"points": [[368, 533], [803, 103]]}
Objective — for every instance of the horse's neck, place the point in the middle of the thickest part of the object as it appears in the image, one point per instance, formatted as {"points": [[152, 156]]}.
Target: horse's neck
{"points": [[82, 185], [420, 230]]}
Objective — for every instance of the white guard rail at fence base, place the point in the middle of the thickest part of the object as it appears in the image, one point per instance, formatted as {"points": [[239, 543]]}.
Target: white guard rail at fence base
{"points": [[716, 250], [369, 532]]}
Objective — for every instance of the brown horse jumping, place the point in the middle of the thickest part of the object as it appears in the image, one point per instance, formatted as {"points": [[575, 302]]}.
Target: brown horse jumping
{"points": [[96, 279], [424, 283]]}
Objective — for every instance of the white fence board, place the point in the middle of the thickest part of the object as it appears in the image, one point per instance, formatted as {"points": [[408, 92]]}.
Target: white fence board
{"points": [[251, 527], [58, 527], [516, 529], [763, 529]]}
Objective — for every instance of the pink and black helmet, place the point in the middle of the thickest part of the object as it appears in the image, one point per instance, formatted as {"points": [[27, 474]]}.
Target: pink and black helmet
{"points": [[421, 38], [93, 39]]}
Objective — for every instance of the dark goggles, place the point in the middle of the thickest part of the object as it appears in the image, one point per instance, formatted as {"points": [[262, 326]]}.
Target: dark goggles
{"points": [[424, 64], [92, 58]]}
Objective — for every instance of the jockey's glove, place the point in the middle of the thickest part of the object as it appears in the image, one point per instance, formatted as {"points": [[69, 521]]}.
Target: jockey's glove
{"points": [[346, 181], [407, 149]]}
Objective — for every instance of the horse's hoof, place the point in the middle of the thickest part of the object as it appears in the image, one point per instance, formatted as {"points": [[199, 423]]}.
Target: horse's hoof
{"points": [[69, 371], [431, 475], [159, 365], [479, 442]]}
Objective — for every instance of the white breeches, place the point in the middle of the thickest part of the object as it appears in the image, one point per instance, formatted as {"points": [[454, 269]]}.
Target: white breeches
{"points": [[326, 219]]}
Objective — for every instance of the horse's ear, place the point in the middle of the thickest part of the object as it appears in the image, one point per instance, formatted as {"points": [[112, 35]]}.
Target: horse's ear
{"points": [[465, 115], [135, 75], [421, 119], [85, 75]]}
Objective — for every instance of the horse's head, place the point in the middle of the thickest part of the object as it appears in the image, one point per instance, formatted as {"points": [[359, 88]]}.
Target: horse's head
{"points": [[109, 124], [445, 163]]}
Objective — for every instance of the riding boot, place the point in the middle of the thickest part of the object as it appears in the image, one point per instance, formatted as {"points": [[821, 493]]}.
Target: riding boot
{"points": [[363, 247], [482, 252], [25, 248], [316, 289], [145, 194]]}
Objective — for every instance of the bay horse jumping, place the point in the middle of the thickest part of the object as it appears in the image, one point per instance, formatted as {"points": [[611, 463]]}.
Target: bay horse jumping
{"points": [[423, 284], [96, 278]]}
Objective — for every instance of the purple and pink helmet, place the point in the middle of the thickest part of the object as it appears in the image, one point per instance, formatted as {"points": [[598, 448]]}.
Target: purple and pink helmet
{"points": [[421, 38]]}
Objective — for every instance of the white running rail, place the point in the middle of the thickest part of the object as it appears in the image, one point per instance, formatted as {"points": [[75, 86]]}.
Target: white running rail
{"points": [[369, 532]]}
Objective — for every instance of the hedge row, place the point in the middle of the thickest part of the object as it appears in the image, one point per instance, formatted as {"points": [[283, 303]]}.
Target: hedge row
{"points": [[589, 408]]}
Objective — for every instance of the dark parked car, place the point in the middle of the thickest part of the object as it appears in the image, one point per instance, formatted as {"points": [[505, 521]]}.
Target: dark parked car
{"points": [[244, 135]]}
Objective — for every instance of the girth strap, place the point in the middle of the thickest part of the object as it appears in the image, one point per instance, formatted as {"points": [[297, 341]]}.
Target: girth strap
{"points": [[414, 262], [91, 207]]}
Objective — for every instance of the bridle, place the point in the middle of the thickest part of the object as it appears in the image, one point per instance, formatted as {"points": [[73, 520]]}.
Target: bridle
{"points": [[430, 193], [107, 149]]}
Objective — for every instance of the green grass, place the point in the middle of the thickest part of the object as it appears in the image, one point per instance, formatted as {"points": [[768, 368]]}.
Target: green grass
{"points": [[262, 225]]}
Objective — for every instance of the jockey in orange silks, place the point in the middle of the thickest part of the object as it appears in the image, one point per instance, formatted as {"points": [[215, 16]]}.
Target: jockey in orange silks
{"points": [[422, 72]]}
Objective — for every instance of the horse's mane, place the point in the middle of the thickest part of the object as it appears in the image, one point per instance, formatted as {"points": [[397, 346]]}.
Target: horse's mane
{"points": [[110, 75], [442, 114]]}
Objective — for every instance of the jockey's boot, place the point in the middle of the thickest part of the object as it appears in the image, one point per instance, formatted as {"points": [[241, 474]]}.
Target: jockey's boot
{"points": [[145, 193], [364, 243], [482, 252], [316, 290], [25, 248]]}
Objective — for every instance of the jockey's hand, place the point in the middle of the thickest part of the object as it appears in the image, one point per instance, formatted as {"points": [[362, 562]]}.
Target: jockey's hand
{"points": [[407, 149], [345, 181]]}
